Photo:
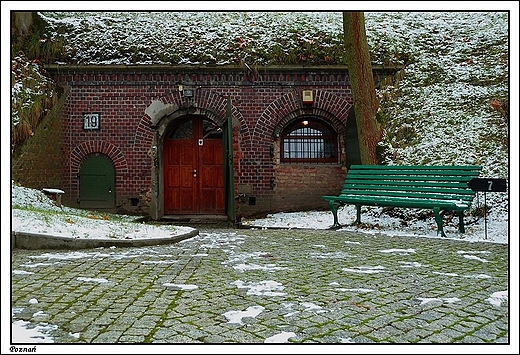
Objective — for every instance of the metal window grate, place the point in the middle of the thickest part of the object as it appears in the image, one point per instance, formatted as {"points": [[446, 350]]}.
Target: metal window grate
{"points": [[309, 142]]}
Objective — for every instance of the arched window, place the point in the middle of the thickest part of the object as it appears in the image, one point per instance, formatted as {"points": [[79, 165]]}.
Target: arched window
{"points": [[309, 140]]}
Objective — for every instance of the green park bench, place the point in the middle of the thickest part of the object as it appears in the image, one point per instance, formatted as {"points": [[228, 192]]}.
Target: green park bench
{"points": [[441, 188]]}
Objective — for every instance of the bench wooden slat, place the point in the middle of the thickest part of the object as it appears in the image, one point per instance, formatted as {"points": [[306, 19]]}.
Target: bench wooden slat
{"points": [[415, 172], [403, 202], [417, 167], [440, 188], [415, 177], [436, 184], [411, 188], [409, 194]]}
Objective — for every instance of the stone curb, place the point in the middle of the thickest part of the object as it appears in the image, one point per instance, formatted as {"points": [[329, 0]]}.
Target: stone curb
{"points": [[34, 241]]}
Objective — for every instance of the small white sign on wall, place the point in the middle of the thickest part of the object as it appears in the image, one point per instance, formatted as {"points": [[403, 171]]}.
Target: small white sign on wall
{"points": [[91, 121]]}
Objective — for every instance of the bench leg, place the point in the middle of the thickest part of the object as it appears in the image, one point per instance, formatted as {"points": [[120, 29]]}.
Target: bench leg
{"points": [[334, 208], [358, 215], [461, 221], [438, 219]]}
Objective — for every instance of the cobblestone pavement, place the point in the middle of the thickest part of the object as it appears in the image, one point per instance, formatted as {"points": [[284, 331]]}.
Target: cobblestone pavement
{"points": [[261, 286]]}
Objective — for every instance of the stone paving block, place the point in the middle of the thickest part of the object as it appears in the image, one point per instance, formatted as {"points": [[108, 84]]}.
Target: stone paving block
{"points": [[133, 330], [131, 339], [377, 300], [441, 337], [455, 335], [362, 339], [214, 339], [109, 337], [502, 340], [471, 339], [405, 338], [487, 333], [90, 332], [179, 339]]}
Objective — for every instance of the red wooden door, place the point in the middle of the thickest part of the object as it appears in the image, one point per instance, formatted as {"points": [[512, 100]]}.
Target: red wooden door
{"points": [[211, 177], [194, 169]]}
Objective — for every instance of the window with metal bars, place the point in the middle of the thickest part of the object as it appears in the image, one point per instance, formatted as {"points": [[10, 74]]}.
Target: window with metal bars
{"points": [[309, 140]]}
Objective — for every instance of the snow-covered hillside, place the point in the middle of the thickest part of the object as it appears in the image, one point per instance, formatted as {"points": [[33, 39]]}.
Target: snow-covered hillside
{"points": [[448, 109]]}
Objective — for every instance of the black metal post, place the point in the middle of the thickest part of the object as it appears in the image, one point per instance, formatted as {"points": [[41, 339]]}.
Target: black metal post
{"points": [[485, 216]]}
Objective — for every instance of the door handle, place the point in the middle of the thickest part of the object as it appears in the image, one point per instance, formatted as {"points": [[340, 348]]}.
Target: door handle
{"points": [[194, 171]]}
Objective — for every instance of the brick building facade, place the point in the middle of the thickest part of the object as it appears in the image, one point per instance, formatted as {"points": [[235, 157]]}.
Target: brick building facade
{"points": [[201, 141]]}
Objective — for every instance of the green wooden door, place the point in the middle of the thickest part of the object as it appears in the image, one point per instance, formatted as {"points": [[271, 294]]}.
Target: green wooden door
{"points": [[96, 183]]}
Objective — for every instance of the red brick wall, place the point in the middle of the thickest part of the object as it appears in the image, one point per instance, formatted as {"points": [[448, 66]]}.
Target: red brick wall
{"points": [[124, 137], [262, 104], [300, 187]]}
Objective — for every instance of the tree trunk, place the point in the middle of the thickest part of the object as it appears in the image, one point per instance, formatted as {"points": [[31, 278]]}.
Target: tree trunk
{"points": [[22, 23], [362, 84]]}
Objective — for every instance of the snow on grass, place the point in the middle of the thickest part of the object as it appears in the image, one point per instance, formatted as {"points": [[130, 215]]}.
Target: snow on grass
{"points": [[198, 38], [495, 228], [34, 212]]}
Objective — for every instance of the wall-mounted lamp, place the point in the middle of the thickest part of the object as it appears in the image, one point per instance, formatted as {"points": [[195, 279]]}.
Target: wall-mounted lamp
{"points": [[305, 123]]}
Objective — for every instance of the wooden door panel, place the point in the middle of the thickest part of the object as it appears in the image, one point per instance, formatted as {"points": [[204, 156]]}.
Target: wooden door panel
{"points": [[172, 177], [187, 198], [208, 201], [206, 176], [186, 193], [212, 201], [179, 182], [211, 152], [186, 177], [220, 200], [186, 152], [171, 152], [173, 198], [207, 153], [212, 177]]}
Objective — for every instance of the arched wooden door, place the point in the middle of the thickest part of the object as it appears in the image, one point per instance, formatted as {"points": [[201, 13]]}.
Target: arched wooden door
{"points": [[194, 168], [97, 183]]}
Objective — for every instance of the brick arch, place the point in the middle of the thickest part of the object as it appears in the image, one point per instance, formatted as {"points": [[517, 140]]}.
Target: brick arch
{"points": [[205, 102], [83, 150], [143, 135], [338, 125], [286, 108], [337, 106], [273, 114]]}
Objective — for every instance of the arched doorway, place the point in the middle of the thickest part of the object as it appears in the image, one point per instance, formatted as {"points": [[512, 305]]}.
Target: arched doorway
{"points": [[194, 168], [97, 183]]}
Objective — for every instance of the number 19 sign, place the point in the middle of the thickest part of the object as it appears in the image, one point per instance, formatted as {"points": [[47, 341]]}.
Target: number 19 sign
{"points": [[91, 121]]}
